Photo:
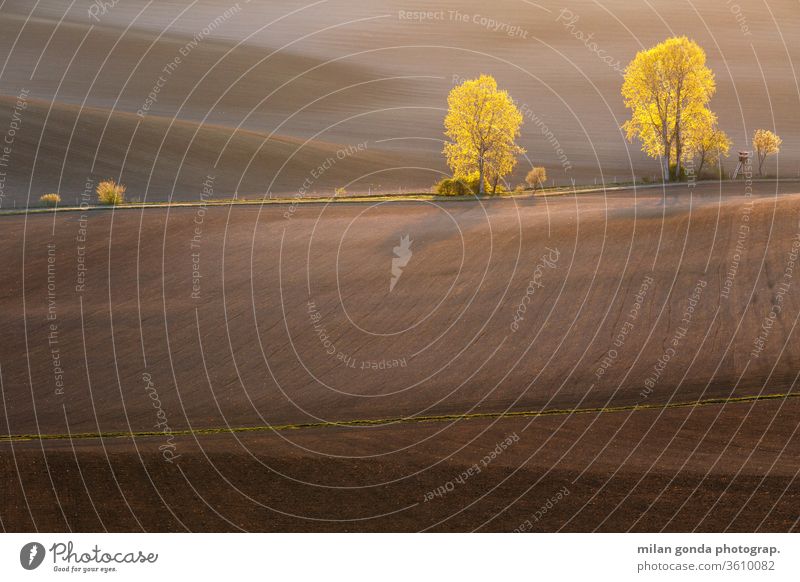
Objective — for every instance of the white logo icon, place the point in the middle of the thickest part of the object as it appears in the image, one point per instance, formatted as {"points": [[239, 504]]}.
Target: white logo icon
{"points": [[402, 254]]}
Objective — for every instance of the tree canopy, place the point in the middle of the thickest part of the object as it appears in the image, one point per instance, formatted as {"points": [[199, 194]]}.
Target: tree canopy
{"points": [[706, 143], [537, 176], [765, 143], [667, 88], [482, 124]]}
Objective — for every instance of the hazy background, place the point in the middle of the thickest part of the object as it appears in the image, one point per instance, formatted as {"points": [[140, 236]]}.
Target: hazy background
{"points": [[266, 92]]}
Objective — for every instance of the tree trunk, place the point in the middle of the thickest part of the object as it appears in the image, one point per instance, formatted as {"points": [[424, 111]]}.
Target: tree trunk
{"points": [[761, 159], [678, 136], [667, 152], [678, 148], [481, 189], [494, 184], [665, 163], [702, 161]]}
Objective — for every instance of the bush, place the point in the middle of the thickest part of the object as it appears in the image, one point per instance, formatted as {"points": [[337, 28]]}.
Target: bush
{"points": [[536, 177], [672, 171], [686, 174], [473, 184], [51, 200], [339, 191], [460, 186], [111, 193], [451, 187], [500, 189]]}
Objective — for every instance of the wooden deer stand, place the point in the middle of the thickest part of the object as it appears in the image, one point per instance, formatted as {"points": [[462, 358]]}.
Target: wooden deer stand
{"points": [[744, 157]]}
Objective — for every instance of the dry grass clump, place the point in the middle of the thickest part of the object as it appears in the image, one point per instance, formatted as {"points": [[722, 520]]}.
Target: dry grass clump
{"points": [[51, 200], [110, 193]]}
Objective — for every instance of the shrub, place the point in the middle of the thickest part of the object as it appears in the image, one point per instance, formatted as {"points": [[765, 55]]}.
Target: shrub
{"points": [[51, 200], [536, 177], [472, 182], [111, 193], [451, 187], [460, 186], [499, 189], [339, 191], [519, 189], [682, 177]]}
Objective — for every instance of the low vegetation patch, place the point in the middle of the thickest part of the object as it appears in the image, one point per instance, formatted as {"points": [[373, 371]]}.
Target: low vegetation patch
{"points": [[110, 193], [51, 200], [452, 187], [536, 177]]}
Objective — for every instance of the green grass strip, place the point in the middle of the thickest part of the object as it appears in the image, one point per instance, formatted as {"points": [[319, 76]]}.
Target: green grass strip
{"points": [[397, 420]]}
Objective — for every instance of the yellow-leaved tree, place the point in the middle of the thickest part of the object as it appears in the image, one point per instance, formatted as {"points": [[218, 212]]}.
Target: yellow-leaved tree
{"points": [[706, 143], [499, 163], [537, 176], [765, 143], [667, 89], [482, 124]]}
